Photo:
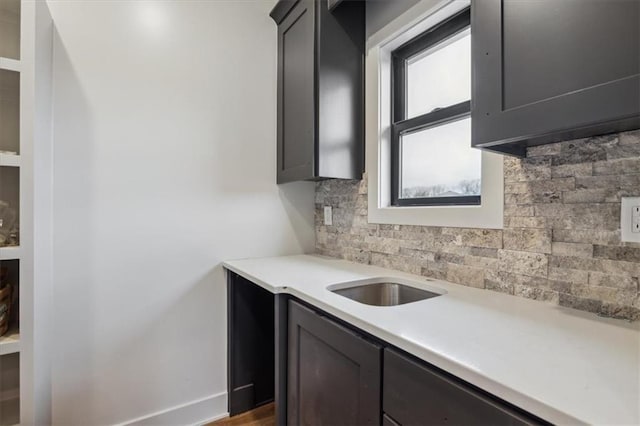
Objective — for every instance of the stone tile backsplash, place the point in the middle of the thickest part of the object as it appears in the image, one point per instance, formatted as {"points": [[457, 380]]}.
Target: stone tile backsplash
{"points": [[561, 236]]}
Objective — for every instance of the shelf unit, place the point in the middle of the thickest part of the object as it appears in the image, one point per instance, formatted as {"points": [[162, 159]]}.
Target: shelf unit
{"points": [[9, 64], [26, 37], [11, 174], [10, 342], [9, 160], [10, 253]]}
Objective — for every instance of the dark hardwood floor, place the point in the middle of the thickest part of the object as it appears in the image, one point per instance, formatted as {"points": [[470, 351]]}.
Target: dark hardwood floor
{"points": [[261, 416]]}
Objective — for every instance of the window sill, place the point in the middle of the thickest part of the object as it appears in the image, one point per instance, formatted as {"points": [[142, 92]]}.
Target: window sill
{"points": [[487, 215]]}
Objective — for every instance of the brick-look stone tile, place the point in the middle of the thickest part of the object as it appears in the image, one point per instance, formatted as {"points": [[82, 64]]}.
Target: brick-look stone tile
{"points": [[357, 255], [508, 277], [449, 258], [617, 167], [603, 216], [630, 137], [593, 236], [572, 249], [611, 182], [561, 241], [629, 254], [525, 222], [490, 238], [536, 168], [434, 270], [498, 286], [527, 239], [572, 170], [481, 262], [524, 263], [581, 303], [631, 313], [511, 209], [591, 196], [580, 151], [466, 275], [420, 255], [620, 150], [596, 265], [382, 245], [604, 294], [568, 275], [542, 150], [483, 252], [536, 293], [625, 282], [399, 263]]}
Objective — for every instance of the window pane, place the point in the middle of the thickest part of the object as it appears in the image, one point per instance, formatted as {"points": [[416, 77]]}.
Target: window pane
{"points": [[440, 76], [439, 162]]}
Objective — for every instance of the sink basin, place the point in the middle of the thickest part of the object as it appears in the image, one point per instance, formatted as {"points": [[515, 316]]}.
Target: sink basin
{"points": [[384, 293]]}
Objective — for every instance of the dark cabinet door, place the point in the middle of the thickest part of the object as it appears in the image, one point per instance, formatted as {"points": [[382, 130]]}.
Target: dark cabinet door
{"points": [[414, 394], [549, 70], [320, 89], [334, 374], [296, 93]]}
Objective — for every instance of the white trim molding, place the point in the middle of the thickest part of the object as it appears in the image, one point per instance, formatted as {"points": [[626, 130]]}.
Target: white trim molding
{"points": [[198, 412], [489, 214]]}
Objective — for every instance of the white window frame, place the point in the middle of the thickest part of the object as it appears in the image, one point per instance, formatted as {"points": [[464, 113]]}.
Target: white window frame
{"points": [[489, 214]]}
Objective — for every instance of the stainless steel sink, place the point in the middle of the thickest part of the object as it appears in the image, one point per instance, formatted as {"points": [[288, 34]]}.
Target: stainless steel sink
{"points": [[387, 293]]}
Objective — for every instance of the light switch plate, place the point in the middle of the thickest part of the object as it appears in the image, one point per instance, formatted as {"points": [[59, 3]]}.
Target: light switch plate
{"points": [[328, 216], [630, 219]]}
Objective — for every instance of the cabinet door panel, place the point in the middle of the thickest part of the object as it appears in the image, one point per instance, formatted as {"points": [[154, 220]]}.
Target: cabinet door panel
{"points": [[416, 395], [543, 72], [579, 57], [334, 374], [296, 94]]}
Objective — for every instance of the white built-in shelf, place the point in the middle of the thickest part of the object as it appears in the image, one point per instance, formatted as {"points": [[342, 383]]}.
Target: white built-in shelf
{"points": [[9, 160], [10, 253], [9, 64], [10, 342]]}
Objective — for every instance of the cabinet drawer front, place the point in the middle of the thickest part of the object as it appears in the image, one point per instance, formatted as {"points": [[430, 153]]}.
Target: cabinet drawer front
{"points": [[334, 374], [416, 395]]}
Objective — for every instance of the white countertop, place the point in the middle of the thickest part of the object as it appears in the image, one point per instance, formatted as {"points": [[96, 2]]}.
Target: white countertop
{"points": [[563, 365]]}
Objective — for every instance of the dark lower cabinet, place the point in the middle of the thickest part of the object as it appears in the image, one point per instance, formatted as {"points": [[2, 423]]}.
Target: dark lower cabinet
{"points": [[414, 394], [334, 373], [549, 70], [326, 372], [251, 339]]}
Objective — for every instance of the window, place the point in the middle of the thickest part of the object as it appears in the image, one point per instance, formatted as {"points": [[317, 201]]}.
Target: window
{"points": [[432, 162]]}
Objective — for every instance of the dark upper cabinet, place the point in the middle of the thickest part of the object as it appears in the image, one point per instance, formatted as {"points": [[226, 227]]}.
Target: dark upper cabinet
{"points": [[549, 70], [334, 374], [414, 394], [320, 89]]}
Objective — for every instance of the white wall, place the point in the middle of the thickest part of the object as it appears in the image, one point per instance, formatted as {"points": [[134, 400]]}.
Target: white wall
{"points": [[164, 165]]}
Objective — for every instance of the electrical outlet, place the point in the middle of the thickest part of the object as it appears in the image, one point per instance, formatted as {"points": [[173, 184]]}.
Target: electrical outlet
{"points": [[630, 219], [635, 219], [328, 216]]}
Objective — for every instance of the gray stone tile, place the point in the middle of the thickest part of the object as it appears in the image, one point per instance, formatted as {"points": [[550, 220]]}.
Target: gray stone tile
{"points": [[527, 239]]}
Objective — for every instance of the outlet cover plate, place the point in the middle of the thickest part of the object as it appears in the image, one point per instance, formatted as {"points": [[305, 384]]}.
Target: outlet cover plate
{"points": [[626, 219], [328, 216]]}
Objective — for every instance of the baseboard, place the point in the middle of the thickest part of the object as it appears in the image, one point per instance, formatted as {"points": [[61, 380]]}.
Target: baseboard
{"points": [[194, 413]]}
